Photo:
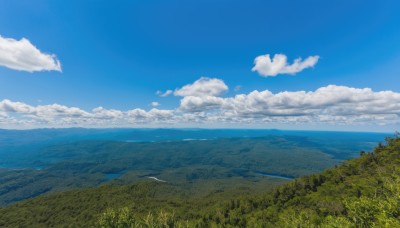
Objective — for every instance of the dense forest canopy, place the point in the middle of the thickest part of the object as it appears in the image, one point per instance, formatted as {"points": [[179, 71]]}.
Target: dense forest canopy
{"points": [[362, 192], [197, 162]]}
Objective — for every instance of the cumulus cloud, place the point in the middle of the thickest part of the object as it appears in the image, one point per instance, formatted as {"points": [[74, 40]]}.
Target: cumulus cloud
{"points": [[154, 104], [103, 113], [22, 55], [3, 115], [268, 67], [164, 94], [203, 87], [21, 114], [54, 110], [336, 105], [200, 104], [333, 104]]}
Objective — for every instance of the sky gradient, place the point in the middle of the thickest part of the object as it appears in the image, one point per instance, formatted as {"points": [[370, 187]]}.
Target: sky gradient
{"points": [[100, 64]]}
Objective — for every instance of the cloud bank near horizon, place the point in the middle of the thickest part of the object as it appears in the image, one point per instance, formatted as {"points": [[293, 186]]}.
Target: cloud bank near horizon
{"points": [[202, 103], [267, 67], [22, 55]]}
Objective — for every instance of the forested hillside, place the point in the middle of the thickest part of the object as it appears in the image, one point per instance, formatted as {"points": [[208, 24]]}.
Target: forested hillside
{"points": [[363, 192], [198, 167]]}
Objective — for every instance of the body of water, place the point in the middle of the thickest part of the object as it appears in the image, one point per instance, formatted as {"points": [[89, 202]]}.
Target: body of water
{"points": [[275, 176]]}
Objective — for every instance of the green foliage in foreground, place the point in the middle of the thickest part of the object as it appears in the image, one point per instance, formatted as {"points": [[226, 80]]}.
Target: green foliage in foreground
{"points": [[381, 210], [125, 218], [363, 192]]}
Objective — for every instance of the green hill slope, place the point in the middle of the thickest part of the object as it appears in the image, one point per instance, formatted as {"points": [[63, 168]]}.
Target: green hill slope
{"points": [[363, 192]]}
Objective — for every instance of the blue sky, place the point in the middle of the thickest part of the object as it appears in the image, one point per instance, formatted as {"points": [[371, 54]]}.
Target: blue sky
{"points": [[117, 54]]}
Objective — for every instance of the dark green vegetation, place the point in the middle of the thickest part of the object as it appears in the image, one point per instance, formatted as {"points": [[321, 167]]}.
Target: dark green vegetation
{"points": [[41, 161], [199, 167], [363, 192], [232, 162]]}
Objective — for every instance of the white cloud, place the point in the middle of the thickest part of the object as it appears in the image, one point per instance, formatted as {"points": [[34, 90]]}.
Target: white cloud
{"points": [[200, 104], [54, 110], [103, 113], [15, 107], [22, 55], [3, 115], [333, 105], [154, 104], [203, 87], [268, 67], [166, 93]]}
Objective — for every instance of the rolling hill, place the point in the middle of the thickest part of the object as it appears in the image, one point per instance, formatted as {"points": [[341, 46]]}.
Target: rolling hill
{"points": [[362, 192]]}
